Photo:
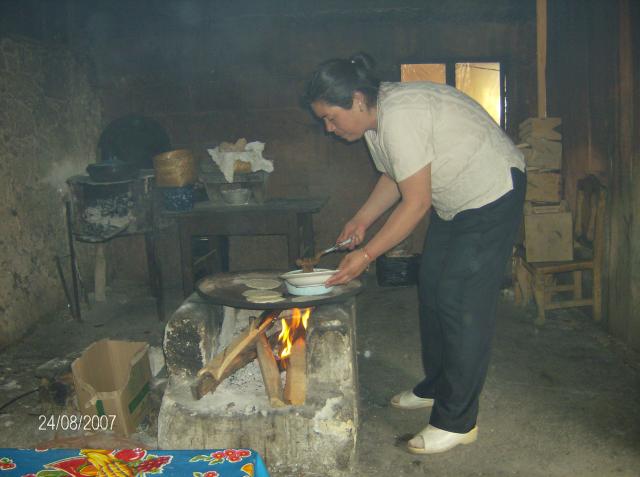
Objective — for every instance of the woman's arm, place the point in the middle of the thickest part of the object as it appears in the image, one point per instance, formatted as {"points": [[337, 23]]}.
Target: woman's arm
{"points": [[382, 197], [416, 201]]}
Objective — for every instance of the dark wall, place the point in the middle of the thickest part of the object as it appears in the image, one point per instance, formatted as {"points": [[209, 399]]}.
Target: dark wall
{"points": [[49, 123], [624, 203], [582, 76], [593, 85]]}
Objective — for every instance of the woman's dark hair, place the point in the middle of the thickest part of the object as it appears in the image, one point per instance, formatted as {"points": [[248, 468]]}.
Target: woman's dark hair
{"points": [[335, 81]]}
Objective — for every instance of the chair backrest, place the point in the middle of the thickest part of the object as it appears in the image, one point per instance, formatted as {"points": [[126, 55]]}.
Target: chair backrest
{"points": [[589, 221]]}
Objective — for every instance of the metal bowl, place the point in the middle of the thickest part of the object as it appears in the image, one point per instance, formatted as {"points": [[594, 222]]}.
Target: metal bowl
{"points": [[236, 196]]}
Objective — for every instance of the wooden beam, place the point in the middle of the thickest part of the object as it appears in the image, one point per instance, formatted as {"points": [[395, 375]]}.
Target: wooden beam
{"points": [[541, 35]]}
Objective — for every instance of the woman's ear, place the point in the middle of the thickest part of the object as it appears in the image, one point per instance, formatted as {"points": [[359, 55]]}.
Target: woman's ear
{"points": [[359, 101]]}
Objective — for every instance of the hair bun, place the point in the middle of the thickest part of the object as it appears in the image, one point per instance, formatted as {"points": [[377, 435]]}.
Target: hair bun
{"points": [[362, 60], [335, 81]]}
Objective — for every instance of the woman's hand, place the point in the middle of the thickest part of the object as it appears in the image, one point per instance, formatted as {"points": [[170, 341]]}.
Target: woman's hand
{"points": [[351, 266], [354, 230]]}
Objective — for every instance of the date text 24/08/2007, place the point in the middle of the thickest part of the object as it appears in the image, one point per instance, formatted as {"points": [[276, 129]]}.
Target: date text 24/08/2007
{"points": [[75, 422]]}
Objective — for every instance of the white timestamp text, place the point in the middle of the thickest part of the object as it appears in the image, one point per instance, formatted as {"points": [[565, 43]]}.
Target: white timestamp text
{"points": [[74, 422]]}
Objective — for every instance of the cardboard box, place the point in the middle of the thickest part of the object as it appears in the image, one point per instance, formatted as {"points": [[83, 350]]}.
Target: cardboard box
{"points": [[548, 232], [113, 378], [543, 186], [540, 160]]}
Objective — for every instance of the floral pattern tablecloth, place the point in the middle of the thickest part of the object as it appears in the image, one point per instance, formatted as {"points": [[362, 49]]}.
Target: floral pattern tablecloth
{"points": [[130, 463]]}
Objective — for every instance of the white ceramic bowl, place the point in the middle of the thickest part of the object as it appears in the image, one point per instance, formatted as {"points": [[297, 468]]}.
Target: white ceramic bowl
{"points": [[236, 196], [310, 279], [307, 291]]}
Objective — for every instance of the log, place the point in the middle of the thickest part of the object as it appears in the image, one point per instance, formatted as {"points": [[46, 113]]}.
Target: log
{"points": [[218, 364], [206, 383], [270, 371], [295, 388]]}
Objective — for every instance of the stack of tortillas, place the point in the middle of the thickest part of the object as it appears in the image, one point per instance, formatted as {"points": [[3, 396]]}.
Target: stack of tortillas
{"points": [[262, 290]]}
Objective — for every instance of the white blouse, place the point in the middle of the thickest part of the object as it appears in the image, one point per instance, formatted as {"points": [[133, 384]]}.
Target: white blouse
{"points": [[421, 123]]}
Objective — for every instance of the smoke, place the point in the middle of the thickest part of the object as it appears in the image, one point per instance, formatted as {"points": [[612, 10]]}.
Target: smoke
{"points": [[60, 172]]}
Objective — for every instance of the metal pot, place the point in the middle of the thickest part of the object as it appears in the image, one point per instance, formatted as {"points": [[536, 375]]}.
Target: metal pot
{"points": [[110, 171]]}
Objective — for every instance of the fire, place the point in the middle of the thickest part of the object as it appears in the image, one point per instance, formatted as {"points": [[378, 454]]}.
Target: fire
{"points": [[291, 329]]}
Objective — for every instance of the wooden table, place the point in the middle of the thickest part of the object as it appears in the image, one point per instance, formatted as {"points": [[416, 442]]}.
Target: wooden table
{"points": [[289, 217]]}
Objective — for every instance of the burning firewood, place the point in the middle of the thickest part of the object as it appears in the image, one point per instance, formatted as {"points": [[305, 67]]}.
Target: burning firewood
{"points": [[236, 355], [270, 371], [295, 388]]}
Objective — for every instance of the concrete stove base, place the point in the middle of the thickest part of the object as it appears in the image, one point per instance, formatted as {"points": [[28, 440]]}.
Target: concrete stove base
{"points": [[315, 439]]}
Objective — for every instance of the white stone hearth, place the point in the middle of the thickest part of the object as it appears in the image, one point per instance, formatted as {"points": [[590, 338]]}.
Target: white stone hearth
{"points": [[317, 438]]}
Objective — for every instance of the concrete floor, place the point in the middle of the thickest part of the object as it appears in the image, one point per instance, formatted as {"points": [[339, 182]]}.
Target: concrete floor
{"points": [[561, 400]]}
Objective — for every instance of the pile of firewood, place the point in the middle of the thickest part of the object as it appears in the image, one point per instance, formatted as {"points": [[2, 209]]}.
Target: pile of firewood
{"points": [[253, 343]]}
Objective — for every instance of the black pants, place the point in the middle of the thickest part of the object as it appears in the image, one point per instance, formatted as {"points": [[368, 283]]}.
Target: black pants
{"points": [[462, 268]]}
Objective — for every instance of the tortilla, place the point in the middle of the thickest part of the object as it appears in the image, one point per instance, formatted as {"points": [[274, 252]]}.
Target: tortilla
{"points": [[207, 285], [262, 283], [261, 294], [272, 299]]}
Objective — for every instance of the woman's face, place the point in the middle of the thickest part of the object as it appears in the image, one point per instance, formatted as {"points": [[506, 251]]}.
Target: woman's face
{"points": [[348, 124]]}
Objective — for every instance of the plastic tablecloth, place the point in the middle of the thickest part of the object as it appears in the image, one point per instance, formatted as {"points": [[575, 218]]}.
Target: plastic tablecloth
{"points": [[131, 463]]}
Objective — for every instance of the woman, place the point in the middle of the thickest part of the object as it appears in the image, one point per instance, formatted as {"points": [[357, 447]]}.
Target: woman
{"points": [[436, 149]]}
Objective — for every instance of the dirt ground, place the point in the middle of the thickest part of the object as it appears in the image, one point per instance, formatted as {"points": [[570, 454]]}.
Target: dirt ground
{"points": [[560, 400]]}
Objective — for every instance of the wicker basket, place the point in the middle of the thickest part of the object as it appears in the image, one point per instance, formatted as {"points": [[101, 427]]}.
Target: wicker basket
{"points": [[175, 168]]}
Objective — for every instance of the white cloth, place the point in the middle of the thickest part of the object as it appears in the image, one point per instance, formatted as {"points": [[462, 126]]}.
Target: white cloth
{"points": [[421, 123], [252, 153]]}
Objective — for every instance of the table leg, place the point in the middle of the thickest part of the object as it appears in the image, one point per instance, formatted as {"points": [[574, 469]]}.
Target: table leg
{"points": [[308, 245], [223, 247], [75, 308], [186, 258], [100, 274], [155, 272], [293, 240]]}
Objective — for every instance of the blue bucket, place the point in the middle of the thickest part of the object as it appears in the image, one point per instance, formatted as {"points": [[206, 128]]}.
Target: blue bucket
{"points": [[178, 199]]}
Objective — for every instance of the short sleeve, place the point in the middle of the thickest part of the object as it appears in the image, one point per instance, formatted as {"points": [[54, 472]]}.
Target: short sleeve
{"points": [[375, 152], [406, 136]]}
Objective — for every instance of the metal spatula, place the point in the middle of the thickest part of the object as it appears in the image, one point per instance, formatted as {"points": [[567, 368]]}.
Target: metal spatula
{"points": [[337, 246]]}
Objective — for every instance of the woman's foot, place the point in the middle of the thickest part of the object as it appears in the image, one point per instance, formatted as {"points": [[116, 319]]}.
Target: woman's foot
{"points": [[408, 400], [432, 440]]}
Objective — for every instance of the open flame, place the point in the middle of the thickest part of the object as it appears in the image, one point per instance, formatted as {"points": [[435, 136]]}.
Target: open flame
{"points": [[292, 328]]}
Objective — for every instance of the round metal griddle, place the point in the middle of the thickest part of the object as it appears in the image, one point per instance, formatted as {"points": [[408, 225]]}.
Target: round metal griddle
{"points": [[226, 289]]}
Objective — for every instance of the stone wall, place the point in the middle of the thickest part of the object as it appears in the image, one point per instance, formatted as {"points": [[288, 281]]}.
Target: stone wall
{"points": [[49, 125]]}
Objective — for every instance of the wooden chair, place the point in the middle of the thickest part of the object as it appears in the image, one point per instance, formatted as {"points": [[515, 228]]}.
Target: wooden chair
{"points": [[542, 277]]}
